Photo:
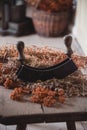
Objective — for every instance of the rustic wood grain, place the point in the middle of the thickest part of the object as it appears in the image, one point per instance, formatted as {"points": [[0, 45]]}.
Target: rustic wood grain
{"points": [[84, 125], [2, 127], [47, 126], [15, 108], [13, 127], [72, 106], [75, 104], [13, 112]]}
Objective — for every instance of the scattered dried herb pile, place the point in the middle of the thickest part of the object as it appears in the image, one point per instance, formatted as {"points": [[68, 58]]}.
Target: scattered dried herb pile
{"points": [[48, 92]]}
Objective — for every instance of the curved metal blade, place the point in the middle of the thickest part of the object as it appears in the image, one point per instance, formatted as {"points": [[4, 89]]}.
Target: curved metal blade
{"points": [[60, 71]]}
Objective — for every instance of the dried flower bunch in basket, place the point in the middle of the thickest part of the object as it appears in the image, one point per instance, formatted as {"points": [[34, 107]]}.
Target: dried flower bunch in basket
{"points": [[32, 2], [51, 5], [54, 17], [48, 92], [55, 5]]}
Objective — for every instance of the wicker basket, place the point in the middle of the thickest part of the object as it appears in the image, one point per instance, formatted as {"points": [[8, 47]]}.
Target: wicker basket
{"points": [[50, 24]]}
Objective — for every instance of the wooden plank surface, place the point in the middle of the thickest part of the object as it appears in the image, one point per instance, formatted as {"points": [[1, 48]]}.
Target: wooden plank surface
{"points": [[84, 125], [9, 108], [2, 127], [46, 126], [75, 104]]}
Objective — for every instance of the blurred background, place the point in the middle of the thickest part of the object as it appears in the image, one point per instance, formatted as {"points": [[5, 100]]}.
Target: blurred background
{"points": [[80, 25]]}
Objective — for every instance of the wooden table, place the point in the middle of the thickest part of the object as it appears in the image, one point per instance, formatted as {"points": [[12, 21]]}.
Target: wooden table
{"points": [[22, 113]]}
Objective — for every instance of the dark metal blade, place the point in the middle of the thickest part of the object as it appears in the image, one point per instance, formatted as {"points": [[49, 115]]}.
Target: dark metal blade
{"points": [[60, 71]]}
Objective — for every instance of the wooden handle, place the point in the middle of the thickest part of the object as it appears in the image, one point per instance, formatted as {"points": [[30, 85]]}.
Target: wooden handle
{"points": [[20, 48], [68, 43]]}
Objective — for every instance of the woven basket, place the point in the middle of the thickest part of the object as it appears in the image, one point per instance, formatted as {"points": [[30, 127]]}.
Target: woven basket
{"points": [[50, 24]]}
